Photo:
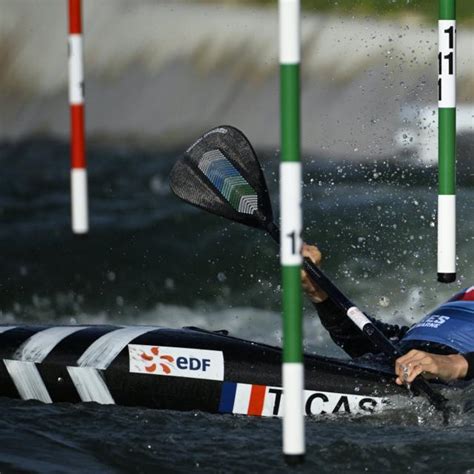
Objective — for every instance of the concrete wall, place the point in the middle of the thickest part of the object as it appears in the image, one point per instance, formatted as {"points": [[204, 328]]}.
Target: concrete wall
{"points": [[168, 70]]}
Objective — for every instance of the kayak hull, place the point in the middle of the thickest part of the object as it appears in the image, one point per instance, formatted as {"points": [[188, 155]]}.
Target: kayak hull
{"points": [[177, 369]]}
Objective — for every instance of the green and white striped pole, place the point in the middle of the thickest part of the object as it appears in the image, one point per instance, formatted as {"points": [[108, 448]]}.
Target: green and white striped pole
{"points": [[291, 226], [447, 141]]}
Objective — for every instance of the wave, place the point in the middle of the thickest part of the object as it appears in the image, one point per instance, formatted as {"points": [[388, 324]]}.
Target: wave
{"points": [[148, 253]]}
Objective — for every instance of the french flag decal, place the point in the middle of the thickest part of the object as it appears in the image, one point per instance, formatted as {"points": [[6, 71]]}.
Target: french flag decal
{"points": [[243, 399], [263, 400]]}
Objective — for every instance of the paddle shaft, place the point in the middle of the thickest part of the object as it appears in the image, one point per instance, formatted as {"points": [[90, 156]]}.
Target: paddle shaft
{"points": [[262, 218], [376, 337]]}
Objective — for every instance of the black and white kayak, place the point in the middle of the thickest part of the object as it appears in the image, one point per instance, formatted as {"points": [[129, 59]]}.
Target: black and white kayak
{"points": [[178, 369], [190, 368]]}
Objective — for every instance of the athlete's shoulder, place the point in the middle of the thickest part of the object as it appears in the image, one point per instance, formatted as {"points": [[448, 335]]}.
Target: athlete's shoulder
{"points": [[465, 295]]}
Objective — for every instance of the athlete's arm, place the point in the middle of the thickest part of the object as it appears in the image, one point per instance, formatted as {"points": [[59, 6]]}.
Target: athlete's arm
{"points": [[347, 335], [315, 294], [342, 330], [445, 367]]}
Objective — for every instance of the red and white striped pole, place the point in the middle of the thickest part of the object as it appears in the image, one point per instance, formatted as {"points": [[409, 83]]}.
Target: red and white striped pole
{"points": [[79, 204]]}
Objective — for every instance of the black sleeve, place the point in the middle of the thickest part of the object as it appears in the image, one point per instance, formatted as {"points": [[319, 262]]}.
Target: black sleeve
{"points": [[347, 335], [470, 365]]}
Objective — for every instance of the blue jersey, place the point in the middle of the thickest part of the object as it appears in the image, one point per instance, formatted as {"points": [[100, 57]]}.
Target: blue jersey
{"points": [[451, 324]]}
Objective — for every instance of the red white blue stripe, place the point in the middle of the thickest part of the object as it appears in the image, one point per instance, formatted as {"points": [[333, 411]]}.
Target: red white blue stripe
{"points": [[262, 400]]}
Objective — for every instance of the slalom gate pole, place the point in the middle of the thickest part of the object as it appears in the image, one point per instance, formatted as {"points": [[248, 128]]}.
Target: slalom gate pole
{"points": [[79, 204], [447, 141], [291, 226]]}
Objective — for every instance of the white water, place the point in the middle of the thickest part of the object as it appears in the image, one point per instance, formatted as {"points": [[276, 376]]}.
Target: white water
{"points": [[251, 323]]}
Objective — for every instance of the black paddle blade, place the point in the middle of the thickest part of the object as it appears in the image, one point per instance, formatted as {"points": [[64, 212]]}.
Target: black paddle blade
{"points": [[220, 173]]}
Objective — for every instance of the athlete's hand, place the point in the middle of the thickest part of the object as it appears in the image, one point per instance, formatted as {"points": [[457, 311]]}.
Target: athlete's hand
{"points": [[415, 362], [315, 293]]}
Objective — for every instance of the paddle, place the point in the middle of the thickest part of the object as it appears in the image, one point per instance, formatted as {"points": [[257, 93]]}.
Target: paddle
{"points": [[220, 173]]}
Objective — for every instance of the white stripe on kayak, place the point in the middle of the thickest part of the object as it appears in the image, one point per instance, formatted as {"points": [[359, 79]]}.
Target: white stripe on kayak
{"points": [[27, 380], [6, 328], [38, 346], [104, 350], [242, 399], [90, 385]]}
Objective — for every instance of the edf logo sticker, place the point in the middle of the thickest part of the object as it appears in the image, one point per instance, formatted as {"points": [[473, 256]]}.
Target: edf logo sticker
{"points": [[192, 363], [176, 362]]}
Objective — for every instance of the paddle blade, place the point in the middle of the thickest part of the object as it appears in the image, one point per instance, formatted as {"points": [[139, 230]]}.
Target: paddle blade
{"points": [[220, 173]]}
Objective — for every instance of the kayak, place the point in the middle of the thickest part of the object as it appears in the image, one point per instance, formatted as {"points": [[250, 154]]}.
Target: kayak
{"points": [[180, 369]]}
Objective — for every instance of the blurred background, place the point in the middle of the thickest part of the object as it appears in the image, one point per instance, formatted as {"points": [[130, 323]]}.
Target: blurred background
{"points": [[164, 71], [160, 73]]}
